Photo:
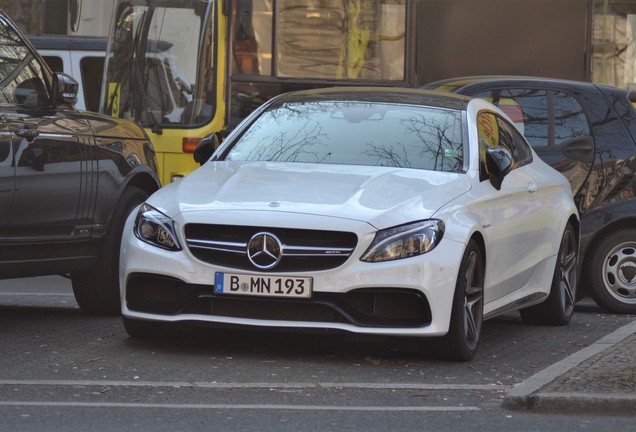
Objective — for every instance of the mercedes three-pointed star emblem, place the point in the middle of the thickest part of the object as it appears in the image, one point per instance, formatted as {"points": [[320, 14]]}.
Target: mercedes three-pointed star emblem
{"points": [[264, 250]]}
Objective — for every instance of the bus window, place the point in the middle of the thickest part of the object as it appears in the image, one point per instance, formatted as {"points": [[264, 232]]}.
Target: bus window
{"points": [[153, 72], [323, 39], [187, 68], [55, 63], [287, 45], [92, 70]]}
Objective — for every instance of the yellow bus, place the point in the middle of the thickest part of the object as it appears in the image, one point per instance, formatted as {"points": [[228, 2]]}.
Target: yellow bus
{"points": [[186, 68]]}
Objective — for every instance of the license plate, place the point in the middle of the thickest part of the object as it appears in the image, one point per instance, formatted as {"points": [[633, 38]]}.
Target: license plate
{"points": [[262, 285]]}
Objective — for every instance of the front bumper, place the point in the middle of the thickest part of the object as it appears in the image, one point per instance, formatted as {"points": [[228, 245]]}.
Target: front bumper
{"points": [[408, 297]]}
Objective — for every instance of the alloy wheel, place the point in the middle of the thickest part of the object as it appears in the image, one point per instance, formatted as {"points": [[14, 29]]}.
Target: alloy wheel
{"points": [[474, 299], [567, 263], [619, 272]]}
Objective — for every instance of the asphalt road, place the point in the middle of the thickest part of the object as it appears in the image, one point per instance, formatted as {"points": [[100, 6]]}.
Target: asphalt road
{"points": [[62, 370]]}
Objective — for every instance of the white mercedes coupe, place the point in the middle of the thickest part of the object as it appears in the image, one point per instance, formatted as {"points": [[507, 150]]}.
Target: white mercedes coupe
{"points": [[395, 212]]}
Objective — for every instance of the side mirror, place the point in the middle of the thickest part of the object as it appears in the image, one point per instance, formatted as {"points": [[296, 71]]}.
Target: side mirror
{"points": [[206, 147], [499, 164], [64, 89]]}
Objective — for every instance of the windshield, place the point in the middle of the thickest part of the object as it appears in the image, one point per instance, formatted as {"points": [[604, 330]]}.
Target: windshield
{"points": [[153, 61], [355, 133]]}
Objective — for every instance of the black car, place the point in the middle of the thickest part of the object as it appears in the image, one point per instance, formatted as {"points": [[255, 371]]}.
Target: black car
{"points": [[587, 132], [68, 180]]}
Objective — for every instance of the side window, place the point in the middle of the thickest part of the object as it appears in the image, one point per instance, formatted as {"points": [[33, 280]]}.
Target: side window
{"points": [[527, 108], [569, 119], [494, 131], [21, 76], [530, 110], [515, 143]]}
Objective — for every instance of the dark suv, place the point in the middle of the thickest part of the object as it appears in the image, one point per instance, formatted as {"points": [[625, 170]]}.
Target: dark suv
{"points": [[587, 132], [68, 180]]}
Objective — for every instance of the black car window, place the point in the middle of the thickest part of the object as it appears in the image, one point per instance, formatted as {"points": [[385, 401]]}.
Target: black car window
{"points": [[530, 110], [569, 119], [21, 75], [527, 108]]}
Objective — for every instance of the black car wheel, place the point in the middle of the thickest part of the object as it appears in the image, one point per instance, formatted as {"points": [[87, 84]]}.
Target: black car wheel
{"points": [[558, 308], [610, 271], [97, 289]]}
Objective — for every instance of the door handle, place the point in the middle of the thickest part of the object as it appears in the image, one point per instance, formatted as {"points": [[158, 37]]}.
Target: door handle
{"points": [[579, 148]]}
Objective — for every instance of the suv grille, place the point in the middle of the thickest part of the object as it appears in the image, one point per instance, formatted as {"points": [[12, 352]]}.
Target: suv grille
{"points": [[301, 250]]}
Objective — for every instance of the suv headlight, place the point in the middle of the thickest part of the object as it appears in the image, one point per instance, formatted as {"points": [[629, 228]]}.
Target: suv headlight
{"points": [[155, 228], [405, 241]]}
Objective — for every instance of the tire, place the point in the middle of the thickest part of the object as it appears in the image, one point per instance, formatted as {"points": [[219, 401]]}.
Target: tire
{"points": [[462, 339], [558, 308], [610, 271], [97, 290]]}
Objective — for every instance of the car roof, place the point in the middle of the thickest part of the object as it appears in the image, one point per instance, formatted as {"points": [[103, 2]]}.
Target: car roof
{"points": [[391, 95], [466, 84], [459, 83]]}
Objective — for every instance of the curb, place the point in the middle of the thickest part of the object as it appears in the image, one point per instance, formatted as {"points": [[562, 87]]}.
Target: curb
{"points": [[527, 395], [577, 402]]}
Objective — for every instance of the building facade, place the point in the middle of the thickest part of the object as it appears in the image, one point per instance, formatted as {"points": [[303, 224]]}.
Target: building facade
{"points": [[591, 40]]}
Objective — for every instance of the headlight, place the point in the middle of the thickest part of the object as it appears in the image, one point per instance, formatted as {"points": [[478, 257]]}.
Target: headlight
{"points": [[155, 228], [405, 241]]}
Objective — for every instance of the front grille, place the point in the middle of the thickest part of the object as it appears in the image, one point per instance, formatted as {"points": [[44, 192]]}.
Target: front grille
{"points": [[302, 250], [368, 307]]}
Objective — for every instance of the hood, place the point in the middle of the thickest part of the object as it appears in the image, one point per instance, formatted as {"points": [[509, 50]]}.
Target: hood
{"points": [[380, 196], [84, 123], [110, 127]]}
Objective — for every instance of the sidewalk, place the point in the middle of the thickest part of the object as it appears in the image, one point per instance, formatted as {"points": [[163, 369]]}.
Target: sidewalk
{"points": [[600, 378]]}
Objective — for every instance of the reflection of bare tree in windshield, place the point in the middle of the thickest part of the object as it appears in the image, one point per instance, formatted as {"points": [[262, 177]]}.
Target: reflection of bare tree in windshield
{"points": [[394, 155], [439, 136], [292, 146], [355, 133], [437, 139]]}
